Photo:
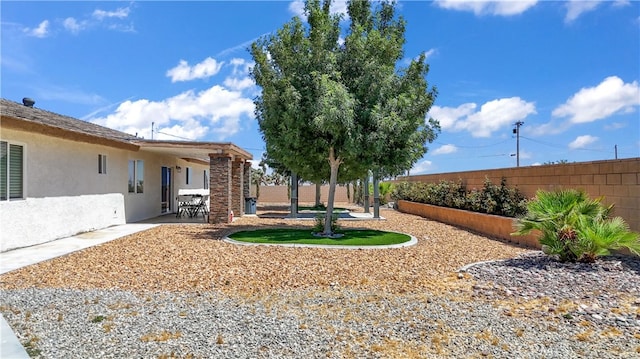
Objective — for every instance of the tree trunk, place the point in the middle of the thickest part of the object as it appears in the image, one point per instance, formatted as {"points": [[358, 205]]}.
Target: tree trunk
{"points": [[365, 191], [334, 163], [348, 192], [294, 195], [376, 195], [318, 185]]}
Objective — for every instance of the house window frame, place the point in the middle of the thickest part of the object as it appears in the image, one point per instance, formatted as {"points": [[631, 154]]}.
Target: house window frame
{"points": [[23, 167], [102, 164], [206, 180], [136, 175], [188, 175]]}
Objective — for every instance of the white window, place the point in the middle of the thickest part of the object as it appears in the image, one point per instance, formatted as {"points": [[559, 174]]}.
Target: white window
{"points": [[206, 180], [11, 171], [136, 176], [188, 172], [102, 164]]}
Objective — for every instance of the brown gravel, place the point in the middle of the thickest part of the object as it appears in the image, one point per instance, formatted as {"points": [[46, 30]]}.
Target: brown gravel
{"points": [[191, 257]]}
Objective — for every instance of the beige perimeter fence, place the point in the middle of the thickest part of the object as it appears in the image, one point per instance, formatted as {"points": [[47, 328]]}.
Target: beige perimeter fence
{"points": [[617, 181]]}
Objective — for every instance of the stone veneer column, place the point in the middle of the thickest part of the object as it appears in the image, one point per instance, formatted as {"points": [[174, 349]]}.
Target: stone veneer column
{"points": [[220, 190], [237, 199]]}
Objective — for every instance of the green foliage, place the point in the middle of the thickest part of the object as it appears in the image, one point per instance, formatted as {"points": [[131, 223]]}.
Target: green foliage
{"points": [[334, 105], [574, 227], [98, 319], [384, 190], [320, 223], [491, 199]]}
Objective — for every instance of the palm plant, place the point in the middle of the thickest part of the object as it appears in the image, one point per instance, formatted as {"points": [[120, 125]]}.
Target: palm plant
{"points": [[574, 227], [600, 237]]}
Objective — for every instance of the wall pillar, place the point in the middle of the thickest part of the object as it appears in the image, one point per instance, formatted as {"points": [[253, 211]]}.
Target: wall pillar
{"points": [[237, 187], [220, 190]]}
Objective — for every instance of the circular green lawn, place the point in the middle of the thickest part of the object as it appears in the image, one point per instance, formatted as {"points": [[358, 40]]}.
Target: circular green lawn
{"points": [[354, 237]]}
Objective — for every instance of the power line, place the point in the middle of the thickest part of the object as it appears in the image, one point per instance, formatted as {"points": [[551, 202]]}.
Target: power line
{"points": [[170, 135], [483, 146]]}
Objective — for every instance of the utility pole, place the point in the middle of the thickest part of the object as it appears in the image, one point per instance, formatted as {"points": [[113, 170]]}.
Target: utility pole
{"points": [[152, 124], [516, 131], [616, 149]]}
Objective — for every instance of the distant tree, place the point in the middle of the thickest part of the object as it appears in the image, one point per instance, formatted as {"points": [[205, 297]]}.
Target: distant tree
{"points": [[258, 179], [558, 162]]}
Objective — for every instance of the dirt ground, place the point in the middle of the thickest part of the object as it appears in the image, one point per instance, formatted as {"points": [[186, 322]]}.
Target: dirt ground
{"points": [[192, 257]]}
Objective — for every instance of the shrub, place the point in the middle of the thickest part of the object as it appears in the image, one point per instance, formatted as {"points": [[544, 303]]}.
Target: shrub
{"points": [[318, 227], [491, 199], [574, 227], [384, 190]]}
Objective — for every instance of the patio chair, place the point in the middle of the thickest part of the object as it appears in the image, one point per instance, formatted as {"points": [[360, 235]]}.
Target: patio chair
{"points": [[185, 205], [202, 206]]}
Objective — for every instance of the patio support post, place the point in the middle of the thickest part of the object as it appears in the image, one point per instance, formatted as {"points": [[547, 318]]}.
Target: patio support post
{"points": [[237, 187], [219, 188]]}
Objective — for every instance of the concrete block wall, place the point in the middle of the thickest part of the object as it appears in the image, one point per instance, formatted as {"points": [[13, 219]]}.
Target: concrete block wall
{"points": [[306, 194], [618, 181]]}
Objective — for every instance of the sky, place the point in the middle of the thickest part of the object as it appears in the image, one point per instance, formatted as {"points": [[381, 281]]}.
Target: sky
{"points": [[569, 71]]}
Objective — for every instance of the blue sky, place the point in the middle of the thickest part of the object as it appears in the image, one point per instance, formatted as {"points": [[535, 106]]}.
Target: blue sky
{"points": [[569, 70]]}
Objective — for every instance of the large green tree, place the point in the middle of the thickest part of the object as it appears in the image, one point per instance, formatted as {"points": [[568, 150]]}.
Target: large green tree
{"points": [[344, 104], [392, 102]]}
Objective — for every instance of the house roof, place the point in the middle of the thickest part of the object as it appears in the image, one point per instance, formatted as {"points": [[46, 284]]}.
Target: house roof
{"points": [[18, 116]]}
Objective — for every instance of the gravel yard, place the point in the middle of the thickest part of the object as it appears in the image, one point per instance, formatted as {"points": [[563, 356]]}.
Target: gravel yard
{"points": [[179, 291]]}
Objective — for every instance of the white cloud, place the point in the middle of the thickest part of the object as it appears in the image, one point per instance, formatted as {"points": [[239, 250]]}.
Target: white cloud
{"points": [[430, 53], [183, 72], [241, 67], [621, 3], [119, 13], [552, 127], [296, 7], [493, 115], [445, 149], [239, 79], [238, 84], [190, 129], [421, 167], [448, 116], [488, 7], [41, 31], [189, 114], [589, 104], [615, 126], [575, 8], [73, 25], [582, 142]]}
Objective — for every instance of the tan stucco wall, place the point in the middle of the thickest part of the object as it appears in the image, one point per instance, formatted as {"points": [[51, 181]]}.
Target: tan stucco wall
{"points": [[56, 167]]}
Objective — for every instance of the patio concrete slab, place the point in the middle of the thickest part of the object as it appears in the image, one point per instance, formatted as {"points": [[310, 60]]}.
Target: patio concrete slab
{"points": [[23, 257]]}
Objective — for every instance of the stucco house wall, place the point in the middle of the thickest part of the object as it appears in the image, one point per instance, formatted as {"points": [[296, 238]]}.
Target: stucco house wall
{"points": [[63, 192]]}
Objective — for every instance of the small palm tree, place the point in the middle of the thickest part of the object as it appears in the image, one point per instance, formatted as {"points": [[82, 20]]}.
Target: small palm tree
{"points": [[575, 227]]}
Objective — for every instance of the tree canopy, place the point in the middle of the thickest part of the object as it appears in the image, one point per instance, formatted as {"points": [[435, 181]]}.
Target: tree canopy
{"points": [[331, 106]]}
